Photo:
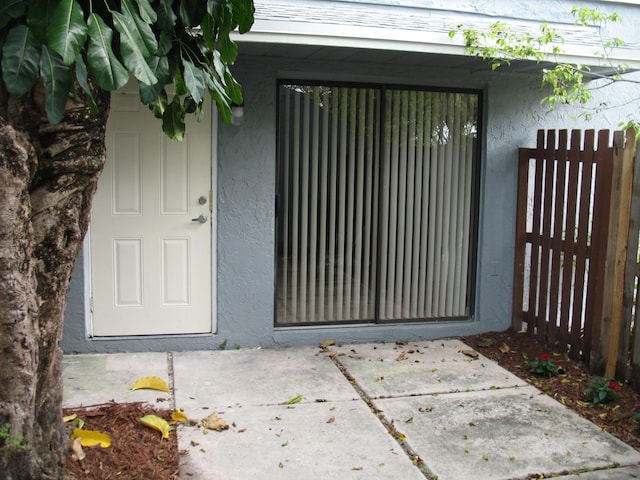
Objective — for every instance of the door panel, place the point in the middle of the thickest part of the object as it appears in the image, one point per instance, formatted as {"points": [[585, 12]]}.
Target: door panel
{"points": [[150, 261]]}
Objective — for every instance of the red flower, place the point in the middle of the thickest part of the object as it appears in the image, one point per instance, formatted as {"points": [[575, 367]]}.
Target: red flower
{"points": [[544, 357], [613, 385]]}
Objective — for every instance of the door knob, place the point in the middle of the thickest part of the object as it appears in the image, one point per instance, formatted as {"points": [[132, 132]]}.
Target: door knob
{"points": [[201, 218]]}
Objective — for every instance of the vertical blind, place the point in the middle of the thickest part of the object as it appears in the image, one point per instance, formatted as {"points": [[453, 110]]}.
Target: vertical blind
{"points": [[376, 204]]}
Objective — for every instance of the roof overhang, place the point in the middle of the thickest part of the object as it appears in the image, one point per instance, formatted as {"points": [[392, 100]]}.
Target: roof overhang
{"points": [[322, 25]]}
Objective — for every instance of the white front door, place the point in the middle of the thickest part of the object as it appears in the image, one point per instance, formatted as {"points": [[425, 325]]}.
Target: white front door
{"points": [[150, 260]]}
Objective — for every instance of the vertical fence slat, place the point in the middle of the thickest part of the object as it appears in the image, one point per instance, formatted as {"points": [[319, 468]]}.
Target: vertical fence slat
{"points": [[545, 236], [532, 314], [556, 331], [570, 236], [586, 195], [602, 196], [518, 318]]}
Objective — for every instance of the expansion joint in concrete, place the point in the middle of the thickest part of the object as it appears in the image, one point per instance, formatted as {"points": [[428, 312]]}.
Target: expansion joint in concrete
{"points": [[388, 424]]}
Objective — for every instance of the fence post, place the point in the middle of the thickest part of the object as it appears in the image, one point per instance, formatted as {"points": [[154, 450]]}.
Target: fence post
{"points": [[631, 351], [606, 343]]}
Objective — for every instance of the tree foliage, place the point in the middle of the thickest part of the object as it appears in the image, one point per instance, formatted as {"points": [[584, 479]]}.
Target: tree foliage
{"points": [[182, 43], [569, 83]]}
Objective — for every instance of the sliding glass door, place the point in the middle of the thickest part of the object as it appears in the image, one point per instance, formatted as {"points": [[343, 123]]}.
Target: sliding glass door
{"points": [[376, 204]]}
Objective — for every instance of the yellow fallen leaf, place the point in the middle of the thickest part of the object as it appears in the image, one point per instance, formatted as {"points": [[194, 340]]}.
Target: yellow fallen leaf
{"points": [[152, 383], [157, 423], [178, 415], [214, 422], [327, 343], [91, 438], [70, 418]]}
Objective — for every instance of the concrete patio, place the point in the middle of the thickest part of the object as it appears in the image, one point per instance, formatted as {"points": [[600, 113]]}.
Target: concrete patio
{"points": [[368, 411]]}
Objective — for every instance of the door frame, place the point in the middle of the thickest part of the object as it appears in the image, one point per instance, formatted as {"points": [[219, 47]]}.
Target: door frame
{"points": [[87, 254]]}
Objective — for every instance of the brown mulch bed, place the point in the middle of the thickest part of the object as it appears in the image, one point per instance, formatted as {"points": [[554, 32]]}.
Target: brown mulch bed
{"points": [[138, 453], [568, 388]]}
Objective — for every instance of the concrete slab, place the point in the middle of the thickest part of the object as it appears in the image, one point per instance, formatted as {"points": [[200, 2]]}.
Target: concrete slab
{"points": [[502, 434], [99, 378], [420, 368], [333, 440], [622, 473], [256, 377]]}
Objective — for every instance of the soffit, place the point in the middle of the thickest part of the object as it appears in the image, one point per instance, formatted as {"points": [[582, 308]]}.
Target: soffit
{"points": [[380, 33]]}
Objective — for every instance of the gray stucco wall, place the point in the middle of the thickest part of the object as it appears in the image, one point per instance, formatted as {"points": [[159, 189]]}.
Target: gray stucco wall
{"points": [[246, 206]]}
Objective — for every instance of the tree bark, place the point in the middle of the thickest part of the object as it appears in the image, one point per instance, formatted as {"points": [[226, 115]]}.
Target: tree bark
{"points": [[48, 175]]}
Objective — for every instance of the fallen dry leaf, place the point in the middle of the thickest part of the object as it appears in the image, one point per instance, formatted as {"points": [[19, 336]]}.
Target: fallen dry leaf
{"points": [[401, 357], [470, 353], [214, 422], [178, 415], [152, 383], [504, 348], [77, 453], [91, 438], [157, 423], [327, 343], [331, 420], [485, 342]]}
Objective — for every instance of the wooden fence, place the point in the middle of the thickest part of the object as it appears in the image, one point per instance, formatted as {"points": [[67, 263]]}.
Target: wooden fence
{"points": [[576, 236]]}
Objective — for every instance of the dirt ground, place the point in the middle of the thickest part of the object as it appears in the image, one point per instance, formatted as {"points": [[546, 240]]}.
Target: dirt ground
{"points": [[138, 452]]}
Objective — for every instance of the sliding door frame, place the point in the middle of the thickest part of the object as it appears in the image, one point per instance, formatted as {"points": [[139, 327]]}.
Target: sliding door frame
{"points": [[380, 137]]}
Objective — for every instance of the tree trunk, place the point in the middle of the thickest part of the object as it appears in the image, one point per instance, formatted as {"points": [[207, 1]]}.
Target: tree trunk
{"points": [[48, 175]]}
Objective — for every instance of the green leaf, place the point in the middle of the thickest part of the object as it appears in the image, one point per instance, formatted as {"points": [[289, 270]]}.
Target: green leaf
{"points": [[105, 67], [190, 106], [165, 43], [159, 105], [11, 9], [82, 78], [173, 120], [67, 30], [160, 68], [234, 90], [229, 50], [57, 82], [243, 14], [194, 79], [147, 12], [20, 60], [294, 400], [208, 26], [166, 16], [191, 12], [133, 56], [140, 30], [38, 18]]}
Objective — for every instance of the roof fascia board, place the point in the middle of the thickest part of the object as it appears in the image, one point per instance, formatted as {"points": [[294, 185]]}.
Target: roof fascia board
{"points": [[296, 33]]}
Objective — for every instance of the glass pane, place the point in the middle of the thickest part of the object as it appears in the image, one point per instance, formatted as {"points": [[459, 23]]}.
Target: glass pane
{"points": [[327, 187], [427, 180]]}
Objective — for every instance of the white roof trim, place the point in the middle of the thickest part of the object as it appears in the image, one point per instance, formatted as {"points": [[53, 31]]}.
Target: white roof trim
{"points": [[283, 23]]}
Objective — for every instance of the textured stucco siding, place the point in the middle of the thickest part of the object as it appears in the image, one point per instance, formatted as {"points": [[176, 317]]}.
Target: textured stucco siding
{"points": [[246, 203]]}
